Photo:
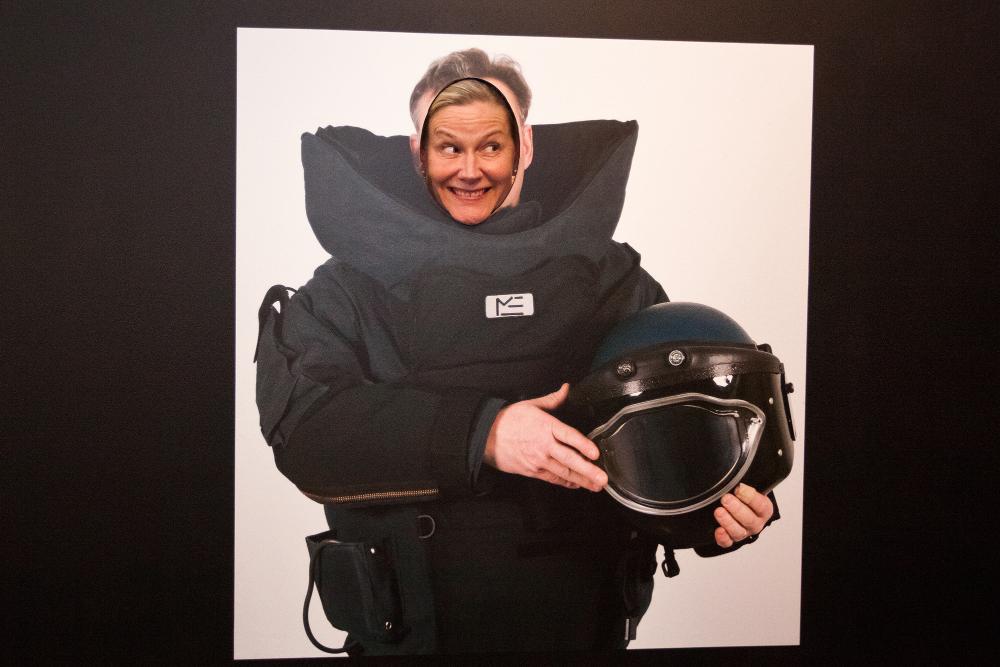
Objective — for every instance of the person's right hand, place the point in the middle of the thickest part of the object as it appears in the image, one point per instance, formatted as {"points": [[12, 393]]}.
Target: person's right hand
{"points": [[526, 440]]}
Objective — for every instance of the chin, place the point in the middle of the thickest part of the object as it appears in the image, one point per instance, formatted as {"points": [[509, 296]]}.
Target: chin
{"points": [[468, 215], [469, 220]]}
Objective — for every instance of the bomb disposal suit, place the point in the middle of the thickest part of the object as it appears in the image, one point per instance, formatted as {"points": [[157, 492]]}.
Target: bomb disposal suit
{"points": [[378, 382]]}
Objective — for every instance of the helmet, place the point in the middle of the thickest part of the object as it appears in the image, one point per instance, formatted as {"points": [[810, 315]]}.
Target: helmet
{"points": [[683, 406]]}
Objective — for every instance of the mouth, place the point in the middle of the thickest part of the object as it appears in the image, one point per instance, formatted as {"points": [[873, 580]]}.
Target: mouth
{"points": [[468, 195]]}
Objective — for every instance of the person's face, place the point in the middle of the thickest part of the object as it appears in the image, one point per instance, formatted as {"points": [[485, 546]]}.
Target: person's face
{"points": [[526, 138], [469, 158]]}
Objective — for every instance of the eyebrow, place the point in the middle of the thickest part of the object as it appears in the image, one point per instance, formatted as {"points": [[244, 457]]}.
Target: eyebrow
{"points": [[449, 135]]}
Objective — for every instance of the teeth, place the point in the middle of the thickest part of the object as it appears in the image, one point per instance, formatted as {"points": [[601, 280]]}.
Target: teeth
{"points": [[468, 194]]}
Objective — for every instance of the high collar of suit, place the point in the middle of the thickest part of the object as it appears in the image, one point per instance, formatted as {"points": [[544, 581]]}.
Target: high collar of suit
{"points": [[368, 206]]}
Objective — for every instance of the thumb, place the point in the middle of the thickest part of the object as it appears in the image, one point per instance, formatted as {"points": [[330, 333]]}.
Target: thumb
{"points": [[553, 400]]}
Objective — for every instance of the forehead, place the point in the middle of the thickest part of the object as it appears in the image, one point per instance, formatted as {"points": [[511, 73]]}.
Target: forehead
{"points": [[473, 118]]}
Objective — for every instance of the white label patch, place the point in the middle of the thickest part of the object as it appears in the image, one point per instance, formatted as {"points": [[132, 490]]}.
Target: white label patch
{"points": [[509, 305]]}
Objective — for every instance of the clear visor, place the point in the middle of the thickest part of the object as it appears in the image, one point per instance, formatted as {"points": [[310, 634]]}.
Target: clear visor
{"points": [[679, 453]]}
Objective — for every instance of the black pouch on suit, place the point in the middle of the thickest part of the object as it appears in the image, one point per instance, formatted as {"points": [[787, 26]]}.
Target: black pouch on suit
{"points": [[358, 588]]}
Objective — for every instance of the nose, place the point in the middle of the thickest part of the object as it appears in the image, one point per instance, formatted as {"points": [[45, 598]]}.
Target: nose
{"points": [[470, 170]]}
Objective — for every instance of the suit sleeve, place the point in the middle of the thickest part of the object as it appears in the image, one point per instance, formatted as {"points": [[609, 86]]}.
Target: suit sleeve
{"points": [[336, 432]]}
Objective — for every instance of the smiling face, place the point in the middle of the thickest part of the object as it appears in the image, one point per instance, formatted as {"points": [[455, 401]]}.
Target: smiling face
{"points": [[469, 159]]}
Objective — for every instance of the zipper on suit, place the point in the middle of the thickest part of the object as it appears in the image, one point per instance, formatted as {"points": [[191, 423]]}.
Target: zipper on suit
{"points": [[412, 494]]}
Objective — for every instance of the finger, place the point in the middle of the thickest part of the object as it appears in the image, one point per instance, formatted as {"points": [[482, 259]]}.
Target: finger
{"points": [[570, 436], [742, 513], [733, 528], [577, 468], [585, 479], [552, 478], [722, 538], [577, 481], [553, 400], [758, 503]]}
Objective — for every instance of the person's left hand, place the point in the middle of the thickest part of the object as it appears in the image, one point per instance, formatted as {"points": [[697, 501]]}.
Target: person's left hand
{"points": [[742, 515]]}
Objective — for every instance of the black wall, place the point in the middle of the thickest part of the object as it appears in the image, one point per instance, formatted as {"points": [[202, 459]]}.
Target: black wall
{"points": [[118, 198]]}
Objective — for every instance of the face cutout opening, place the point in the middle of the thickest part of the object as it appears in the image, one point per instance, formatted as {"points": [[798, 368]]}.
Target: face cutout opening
{"points": [[470, 150]]}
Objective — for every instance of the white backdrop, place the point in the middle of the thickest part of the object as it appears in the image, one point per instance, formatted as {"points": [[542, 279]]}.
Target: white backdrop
{"points": [[717, 204]]}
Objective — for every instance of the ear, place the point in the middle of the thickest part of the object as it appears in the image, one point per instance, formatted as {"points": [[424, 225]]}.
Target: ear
{"points": [[415, 152], [527, 148]]}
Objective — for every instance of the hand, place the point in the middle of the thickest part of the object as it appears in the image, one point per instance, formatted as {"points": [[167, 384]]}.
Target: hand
{"points": [[743, 514], [526, 440]]}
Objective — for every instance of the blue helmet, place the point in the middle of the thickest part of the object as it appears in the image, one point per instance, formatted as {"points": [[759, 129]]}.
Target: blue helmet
{"points": [[683, 406]]}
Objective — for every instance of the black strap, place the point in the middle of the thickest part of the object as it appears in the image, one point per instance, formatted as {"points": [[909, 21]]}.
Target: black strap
{"points": [[276, 294], [669, 565], [351, 644]]}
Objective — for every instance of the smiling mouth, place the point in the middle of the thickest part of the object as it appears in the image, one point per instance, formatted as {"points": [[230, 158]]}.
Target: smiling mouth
{"points": [[469, 195]]}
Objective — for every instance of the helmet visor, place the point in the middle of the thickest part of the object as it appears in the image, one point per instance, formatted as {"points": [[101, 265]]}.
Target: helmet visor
{"points": [[677, 454]]}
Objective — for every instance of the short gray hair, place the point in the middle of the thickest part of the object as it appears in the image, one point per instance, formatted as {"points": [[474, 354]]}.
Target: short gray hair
{"points": [[473, 63]]}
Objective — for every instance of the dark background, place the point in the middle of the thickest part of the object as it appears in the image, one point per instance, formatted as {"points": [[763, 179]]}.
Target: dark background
{"points": [[118, 199]]}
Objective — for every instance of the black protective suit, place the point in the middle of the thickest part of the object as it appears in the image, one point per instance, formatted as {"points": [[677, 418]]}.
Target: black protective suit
{"points": [[378, 382]]}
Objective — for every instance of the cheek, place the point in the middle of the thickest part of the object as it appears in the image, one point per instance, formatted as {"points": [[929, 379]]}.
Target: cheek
{"points": [[502, 170], [437, 171]]}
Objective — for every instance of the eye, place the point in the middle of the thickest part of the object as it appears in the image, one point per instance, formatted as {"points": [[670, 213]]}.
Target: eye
{"points": [[449, 149], [492, 147]]}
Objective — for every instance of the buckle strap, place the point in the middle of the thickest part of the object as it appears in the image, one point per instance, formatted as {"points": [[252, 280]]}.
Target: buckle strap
{"points": [[669, 564]]}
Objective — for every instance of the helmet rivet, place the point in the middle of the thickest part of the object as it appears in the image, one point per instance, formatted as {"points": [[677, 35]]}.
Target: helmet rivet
{"points": [[675, 358], [625, 369]]}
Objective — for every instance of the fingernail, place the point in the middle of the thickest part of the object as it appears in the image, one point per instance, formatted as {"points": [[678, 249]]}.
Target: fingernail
{"points": [[744, 492], [727, 500]]}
